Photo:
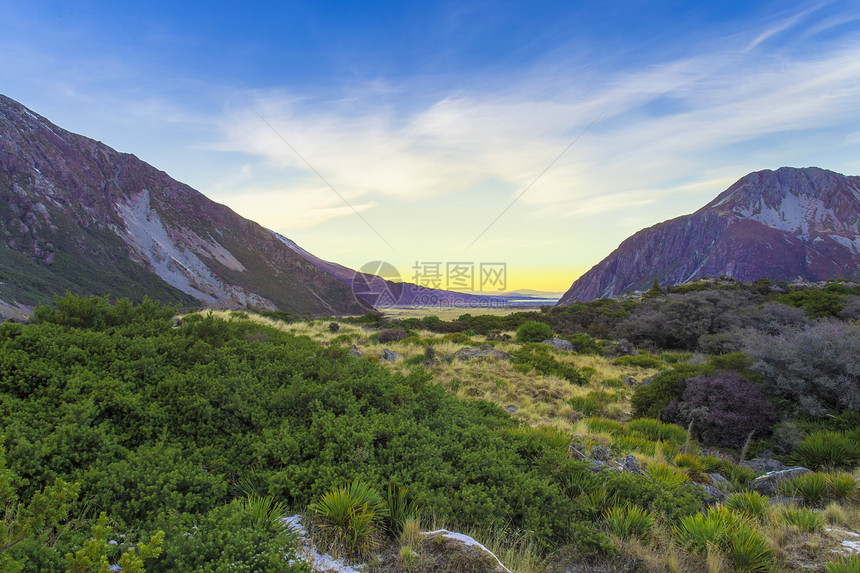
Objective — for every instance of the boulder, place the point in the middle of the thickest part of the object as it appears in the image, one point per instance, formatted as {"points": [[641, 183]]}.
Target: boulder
{"points": [[468, 553], [719, 481], [559, 344], [763, 465], [712, 494], [390, 355], [354, 351], [767, 484], [574, 450], [600, 453], [470, 352], [629, 463]]}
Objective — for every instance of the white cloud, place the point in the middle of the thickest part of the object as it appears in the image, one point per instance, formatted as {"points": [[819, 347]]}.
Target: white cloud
{"points": [[708, 102]]}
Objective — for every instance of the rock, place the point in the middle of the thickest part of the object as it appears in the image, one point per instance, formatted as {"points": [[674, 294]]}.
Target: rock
{"points": [[766, 484], [559, 344], [333, 327], [719, 481], [621, 347], [629, 380], [629, 463], [390, 355], [574, 450], [354, 351], [469, 352], [712, 494], [601, 453], [511, 409], [177, 322], [469, 548], [596, 466], [763, 465]]}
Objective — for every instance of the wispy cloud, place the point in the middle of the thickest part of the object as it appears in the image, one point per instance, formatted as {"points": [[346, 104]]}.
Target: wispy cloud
{"points": [[670, 118]]}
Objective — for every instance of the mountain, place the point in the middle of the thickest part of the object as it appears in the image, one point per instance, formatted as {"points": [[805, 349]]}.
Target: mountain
{"points": [[381, 292], [785, 224], [77, 215]]}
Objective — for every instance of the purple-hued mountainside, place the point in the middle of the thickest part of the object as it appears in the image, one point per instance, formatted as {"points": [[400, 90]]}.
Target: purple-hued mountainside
{"points": [[77, 215], [782, 225]]}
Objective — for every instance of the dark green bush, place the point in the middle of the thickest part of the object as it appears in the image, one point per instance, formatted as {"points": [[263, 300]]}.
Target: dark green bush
{"points": [[816, 302], [585, 344], [228, 537], [534, 331]]}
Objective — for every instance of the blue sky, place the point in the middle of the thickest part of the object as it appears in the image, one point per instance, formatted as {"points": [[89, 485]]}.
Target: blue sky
{"points": [[430, 118]]}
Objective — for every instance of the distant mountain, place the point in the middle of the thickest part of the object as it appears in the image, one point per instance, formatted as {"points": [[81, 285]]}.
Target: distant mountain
{"points": [[77, 215], [379, 291], [782, 225]]}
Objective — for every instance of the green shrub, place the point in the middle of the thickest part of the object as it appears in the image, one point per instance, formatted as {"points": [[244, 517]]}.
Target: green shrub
{"points": [[802, 518], [668, 503], [534, 331], [628, 521], [750, 503], [640, 360], [827, 450], [649, 400], [242, 535], [816, 302], [584, 344]]}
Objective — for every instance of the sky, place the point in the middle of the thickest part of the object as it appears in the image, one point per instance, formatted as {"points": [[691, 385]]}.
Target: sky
{"points": [[538, 135]]}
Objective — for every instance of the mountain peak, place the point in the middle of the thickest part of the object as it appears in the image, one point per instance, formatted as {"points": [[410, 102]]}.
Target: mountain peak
{"points": [[782, 224], [77, 215]]}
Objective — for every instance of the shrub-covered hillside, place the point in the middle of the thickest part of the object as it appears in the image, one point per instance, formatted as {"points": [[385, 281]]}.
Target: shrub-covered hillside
{"points": [[133, 440], [158, 426]]}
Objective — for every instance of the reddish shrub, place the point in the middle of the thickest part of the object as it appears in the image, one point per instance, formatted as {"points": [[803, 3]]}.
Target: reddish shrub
{"points": [[724, 408]]}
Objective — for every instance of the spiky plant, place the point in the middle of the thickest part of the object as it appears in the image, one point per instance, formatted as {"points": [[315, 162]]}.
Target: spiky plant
{"points": [[749, 550], [750, 503], [351, 513], [802, 518], [844, 565], [627, 521], [813, 488]]}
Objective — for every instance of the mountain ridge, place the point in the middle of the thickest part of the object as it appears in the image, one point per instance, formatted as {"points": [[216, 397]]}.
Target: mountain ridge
{"points": [[784, 224], [78, 215]]}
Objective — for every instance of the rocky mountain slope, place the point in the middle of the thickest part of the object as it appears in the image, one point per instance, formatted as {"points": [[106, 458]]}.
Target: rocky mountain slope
{"points": [[77, 215], [785, 224]]}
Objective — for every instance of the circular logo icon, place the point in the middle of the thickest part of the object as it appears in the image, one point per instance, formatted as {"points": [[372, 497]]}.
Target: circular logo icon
{"points": [[378, 283]]}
